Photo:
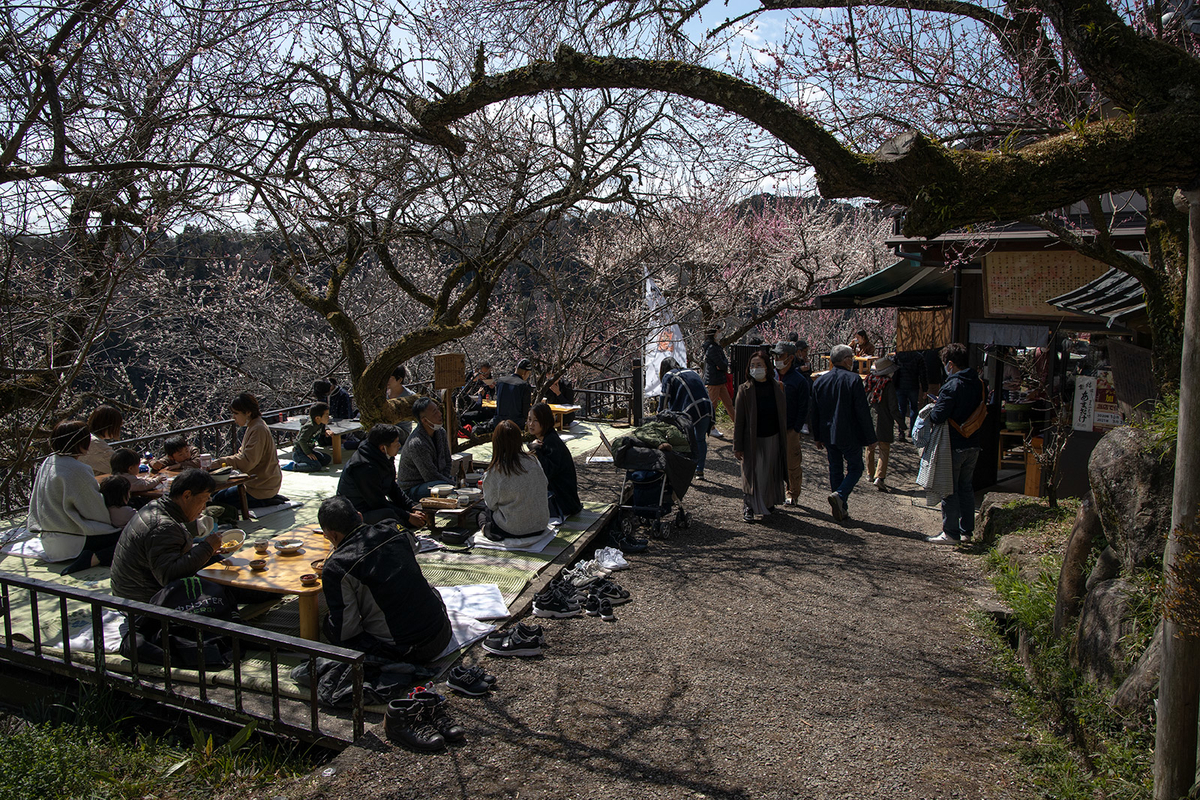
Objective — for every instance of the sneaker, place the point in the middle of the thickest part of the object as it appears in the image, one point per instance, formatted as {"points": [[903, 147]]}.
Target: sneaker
{"points": [[966, 538], [409, 722], [584, 573], [628, 543], [880, 484], [606, 611], [592, 606], [837, 506], [699, 474], [942, 538], [789, 501], [471, 681], [514, 644], [716, 434], [557, 606], [747, 515], [436, 711], [610, 591], [611, 559]]}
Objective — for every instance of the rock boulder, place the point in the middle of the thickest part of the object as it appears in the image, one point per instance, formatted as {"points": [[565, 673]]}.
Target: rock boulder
{"points": [[1102, 626], [1132, 486]]}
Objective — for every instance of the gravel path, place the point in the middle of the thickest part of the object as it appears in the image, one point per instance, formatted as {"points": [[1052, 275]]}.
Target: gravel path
{"points": [[788, 659]]}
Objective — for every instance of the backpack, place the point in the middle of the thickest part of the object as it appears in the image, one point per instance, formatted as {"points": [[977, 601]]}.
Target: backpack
{"points": [[196, 596], [974, 422]]}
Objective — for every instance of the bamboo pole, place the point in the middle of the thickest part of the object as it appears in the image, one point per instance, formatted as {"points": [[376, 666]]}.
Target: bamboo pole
{"points": [[1179, 679]]}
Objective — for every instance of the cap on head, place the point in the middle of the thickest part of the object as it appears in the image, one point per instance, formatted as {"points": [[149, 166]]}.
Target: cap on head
{"points": [[524, 364], [784, 349]]}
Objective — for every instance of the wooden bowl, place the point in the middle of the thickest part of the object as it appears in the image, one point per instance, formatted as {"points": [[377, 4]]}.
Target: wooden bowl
{"points": [[309, 579], [258, 564]]}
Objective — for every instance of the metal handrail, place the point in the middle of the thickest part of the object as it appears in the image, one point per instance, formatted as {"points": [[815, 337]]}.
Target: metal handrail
{"points": [[165, 688], [282, 412]]}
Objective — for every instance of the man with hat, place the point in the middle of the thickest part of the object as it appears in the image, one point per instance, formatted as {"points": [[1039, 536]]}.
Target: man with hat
{"points": [[881, 394], [841, 422], [514, 395], [796, 391]]}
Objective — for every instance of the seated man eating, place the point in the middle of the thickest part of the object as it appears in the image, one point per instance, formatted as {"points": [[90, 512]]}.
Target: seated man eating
{"points": [[369, 480], [379, 601], [425, 458], [156, 546]]}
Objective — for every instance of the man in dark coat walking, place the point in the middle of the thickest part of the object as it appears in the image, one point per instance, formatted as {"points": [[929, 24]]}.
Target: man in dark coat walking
{"points": [[841, 422], [959, 399]]}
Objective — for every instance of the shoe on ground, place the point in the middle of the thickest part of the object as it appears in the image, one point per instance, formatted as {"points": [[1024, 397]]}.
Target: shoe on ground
{"points": [[942, 538], [628, 543], [611, 559], [881, 484], [699, 474], [436, 708], [770, 511], [514, 644], [967, 538], [410, 723], [837, 506], [557, 606], [592, 606], [716, 433], [747, 515], [610, 591], [471, 681], [789, 501], [606, 611]]}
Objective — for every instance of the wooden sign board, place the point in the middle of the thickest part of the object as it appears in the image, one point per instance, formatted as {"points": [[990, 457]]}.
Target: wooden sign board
{"points": [[449, 371], [1018, 283]]}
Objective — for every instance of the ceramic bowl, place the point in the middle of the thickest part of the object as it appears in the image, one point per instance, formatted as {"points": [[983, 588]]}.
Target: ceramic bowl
{"points": [[318, 566], [441, 490], [309, 580], [232, 539], [288, 546], [262, 547], [258, 564]]}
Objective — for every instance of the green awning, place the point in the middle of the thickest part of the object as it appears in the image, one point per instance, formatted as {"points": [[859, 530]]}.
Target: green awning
{"points": [[905, 284]]}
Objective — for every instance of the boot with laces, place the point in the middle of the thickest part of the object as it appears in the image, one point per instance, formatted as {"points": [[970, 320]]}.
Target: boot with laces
{"points": [[408, 722]]}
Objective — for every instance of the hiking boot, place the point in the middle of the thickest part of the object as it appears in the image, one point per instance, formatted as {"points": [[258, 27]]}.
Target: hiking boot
{"points": [[409, 723], [435, 708], [837, 506], [514, 644], [610, 591], [471, 681], [556, 606]]}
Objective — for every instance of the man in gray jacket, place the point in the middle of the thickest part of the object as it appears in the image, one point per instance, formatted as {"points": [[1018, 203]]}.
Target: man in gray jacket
{"points": [[425, 458], [156, 546]]}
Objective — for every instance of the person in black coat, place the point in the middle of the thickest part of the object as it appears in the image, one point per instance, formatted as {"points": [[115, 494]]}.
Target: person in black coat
{"points": [[369, 480], [842, 424], [959, 398], [561, 393], [379, 601], [514, 395], [562, 485]]}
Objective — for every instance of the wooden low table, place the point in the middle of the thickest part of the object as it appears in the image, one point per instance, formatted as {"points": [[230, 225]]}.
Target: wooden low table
{"points": [[282, 575], [559, 412], [336, 429]]}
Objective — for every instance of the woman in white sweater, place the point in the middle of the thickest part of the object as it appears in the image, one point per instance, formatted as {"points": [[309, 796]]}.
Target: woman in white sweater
{"points": [[105, 424], [66, 508], [514, 488]]}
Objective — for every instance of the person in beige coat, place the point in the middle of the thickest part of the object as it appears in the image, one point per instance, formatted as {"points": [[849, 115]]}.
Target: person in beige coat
{"points": [[760, 424], [256, 457]]}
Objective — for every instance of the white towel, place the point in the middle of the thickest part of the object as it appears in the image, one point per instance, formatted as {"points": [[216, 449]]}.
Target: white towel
{"points": [[478, 600], [526, 544]]}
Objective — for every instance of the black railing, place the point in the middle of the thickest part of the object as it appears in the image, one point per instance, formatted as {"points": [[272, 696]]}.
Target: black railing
{"points": [[606, 398], [230, 700]]}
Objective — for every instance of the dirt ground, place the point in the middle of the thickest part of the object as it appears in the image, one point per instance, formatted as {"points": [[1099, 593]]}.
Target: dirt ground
{"points": [[792, 658]]}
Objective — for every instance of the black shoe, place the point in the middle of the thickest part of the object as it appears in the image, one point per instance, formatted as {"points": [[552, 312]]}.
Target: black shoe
{"points": [[606, 611], [471, 681], [557, 605], [82, 561], [514, 644], [409, 723], [627, 543], [592, 606], [435, 707], [610, 591], [699, 474], [747, 515]]}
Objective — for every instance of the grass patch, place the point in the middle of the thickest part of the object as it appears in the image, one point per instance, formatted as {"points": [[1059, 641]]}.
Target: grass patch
{"points": [[1078, 748], [89, 750]]}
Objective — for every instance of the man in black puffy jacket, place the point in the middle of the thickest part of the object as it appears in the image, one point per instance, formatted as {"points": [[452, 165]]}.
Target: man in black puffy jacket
{"points": [[960, 397], [379, 601]]}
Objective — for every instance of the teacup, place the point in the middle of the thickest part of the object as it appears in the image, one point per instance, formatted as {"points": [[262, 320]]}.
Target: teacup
{"points": [[258, 564], [262, 547]]}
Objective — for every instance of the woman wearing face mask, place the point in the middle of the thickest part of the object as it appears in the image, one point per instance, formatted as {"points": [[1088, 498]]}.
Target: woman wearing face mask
{"points": [[760, 421]]}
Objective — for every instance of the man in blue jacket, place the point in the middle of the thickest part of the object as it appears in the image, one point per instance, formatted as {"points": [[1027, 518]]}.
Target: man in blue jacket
{"points": [[841, 422], [796, 390], [960, 396]]}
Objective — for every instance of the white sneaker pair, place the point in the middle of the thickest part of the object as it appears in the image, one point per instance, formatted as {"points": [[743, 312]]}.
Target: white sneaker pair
{"points": [[612, 559]]}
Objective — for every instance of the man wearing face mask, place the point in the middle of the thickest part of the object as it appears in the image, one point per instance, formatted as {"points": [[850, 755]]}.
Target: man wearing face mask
{"points": [[796, 395], [425, 457], [841, 422], [961, 395]]}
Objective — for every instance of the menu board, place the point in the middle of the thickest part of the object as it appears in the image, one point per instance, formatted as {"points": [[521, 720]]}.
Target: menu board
{"points": [[1018, 283], [1108, 414]]}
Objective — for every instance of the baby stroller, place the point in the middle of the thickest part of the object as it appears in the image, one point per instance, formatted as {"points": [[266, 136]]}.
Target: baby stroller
{"points": [[655, 480]]}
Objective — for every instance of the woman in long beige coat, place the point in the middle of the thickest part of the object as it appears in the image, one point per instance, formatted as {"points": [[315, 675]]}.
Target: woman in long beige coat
{"points": [[760, 423]]}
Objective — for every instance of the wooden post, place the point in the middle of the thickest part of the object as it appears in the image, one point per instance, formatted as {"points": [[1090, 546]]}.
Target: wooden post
{"points": [[636, 402], [1179, 679]]}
